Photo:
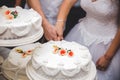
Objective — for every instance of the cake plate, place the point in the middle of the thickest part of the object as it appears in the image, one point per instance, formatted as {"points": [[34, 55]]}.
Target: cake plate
{"points": [[22, 41]]}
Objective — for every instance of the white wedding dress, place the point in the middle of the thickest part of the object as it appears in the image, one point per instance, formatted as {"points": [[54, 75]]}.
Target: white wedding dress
{"points": [[96, 31]]}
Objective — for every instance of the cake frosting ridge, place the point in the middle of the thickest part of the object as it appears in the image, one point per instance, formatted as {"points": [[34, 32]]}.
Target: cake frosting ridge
{"points": [[61, 59]]}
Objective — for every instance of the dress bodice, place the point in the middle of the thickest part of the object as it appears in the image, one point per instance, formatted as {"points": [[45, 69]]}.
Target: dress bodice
{"points": [[100, 8], [100, 23], [101, 16]]}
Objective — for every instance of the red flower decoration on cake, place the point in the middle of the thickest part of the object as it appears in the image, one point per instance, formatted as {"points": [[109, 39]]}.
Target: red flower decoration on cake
{"points": [[29, 52], [62, 52], [7, 12], [70, 54]]}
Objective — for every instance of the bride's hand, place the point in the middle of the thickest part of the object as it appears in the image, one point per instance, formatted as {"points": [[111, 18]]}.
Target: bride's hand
{"points": [[103, 63], [60, 28], [50, 32]]}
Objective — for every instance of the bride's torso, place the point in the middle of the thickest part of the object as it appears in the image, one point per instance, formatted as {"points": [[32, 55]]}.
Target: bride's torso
{"points": [[101, 16]]}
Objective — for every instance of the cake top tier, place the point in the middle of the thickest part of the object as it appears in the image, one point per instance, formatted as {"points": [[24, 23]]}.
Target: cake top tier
{"points": [[17, 17], [61, 55]]}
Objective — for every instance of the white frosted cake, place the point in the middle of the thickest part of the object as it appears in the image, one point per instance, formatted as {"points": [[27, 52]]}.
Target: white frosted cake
{"points": [[61, 60], [14, 66], [20, 57], [17, 22]]}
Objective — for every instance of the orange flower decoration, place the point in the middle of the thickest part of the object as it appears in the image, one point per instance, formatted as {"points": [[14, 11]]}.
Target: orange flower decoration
{"points": [[62, 52], [24, 53], [10, 17], [70, 54]]}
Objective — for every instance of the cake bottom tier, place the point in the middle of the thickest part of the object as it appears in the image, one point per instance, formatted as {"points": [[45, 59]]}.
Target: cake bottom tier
{"points": [[33, 75], [12, 72]]}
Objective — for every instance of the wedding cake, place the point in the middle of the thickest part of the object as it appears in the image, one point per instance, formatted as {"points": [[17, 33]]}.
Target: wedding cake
{"points": [[61, 60], [22, 25], [14, 67]]}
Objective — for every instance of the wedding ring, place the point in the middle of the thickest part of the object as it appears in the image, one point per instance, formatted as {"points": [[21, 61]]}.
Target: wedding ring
{"points": [[99, 67], [103, 69]]}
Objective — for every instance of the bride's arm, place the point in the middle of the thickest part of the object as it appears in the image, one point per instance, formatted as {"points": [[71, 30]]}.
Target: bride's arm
{"points": [[104, 61], [114, 46], [62, 15], [35, 4], [17, 2], [65, 8], [49, 30]]}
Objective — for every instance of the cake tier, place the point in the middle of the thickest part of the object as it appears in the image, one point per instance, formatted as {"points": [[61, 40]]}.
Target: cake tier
{"points": [[14, 67], [19, 56], [26, 21], [34, 74], [67, 58], [32, 37]]}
